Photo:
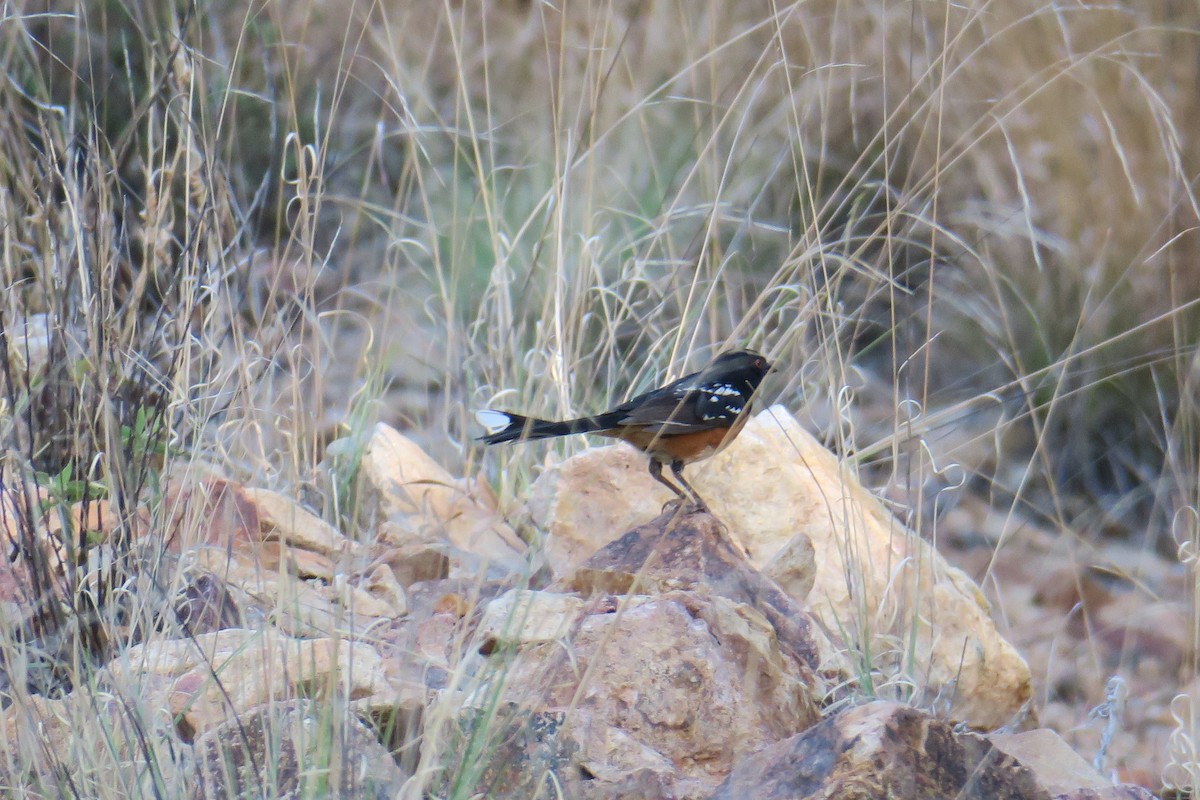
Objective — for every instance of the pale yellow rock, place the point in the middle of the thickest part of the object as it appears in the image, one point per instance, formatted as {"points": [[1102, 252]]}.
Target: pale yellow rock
{"points": [[409, 487], [283, 518], [1058, 768], [522, 616], [361, 601], [298, 606], [282, 557], [794, 567], [105, 733], [608, 493], [219, 675], [382, 583], [410, 562], [876, 581]]}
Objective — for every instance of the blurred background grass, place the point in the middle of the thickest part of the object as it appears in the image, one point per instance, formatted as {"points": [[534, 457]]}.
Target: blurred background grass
{"points": [[966, 232]]}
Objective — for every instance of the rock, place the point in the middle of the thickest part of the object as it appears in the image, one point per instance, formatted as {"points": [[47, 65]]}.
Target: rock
{"points": [[205, 605], [691, 551], [283, 519], [96, 521], [213, 512], [382, 584], [279, 557], [612, 763], [411, 490], [1132, 630], [294, 749], [794, 567], [888, 750], [217, 676], [94, 732], [524, 753], [880, 750], [678, 686], [296, 600], [1058, 769], [297, 606], [412, 562], [591, 499], [34, 722], [361, 601], [23, 596], [544, 754], [875, 579], [525, 617], [432, 641]]}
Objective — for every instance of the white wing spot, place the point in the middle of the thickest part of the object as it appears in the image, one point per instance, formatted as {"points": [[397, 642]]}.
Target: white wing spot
{"points": [[723, 389], [493, 421]]}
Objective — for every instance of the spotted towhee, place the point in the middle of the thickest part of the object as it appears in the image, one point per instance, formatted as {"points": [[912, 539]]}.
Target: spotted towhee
{"points": [[685, 421]]}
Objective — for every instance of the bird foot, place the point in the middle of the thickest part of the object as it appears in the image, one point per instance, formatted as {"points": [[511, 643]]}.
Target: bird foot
{"points": [[674, 504], [690, 505]]}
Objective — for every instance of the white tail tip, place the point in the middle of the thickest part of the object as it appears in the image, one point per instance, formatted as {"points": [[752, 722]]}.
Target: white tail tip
{"points": [[493, 421]]}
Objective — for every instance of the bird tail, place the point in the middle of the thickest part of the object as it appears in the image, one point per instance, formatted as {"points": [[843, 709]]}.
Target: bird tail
{"points": [[505, 427]]}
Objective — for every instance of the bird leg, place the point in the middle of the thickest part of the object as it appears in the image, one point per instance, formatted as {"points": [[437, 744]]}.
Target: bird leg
{"points": [[656, 473], [677, 471]]}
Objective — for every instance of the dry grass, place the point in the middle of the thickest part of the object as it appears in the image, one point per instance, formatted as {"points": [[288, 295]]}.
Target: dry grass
{"points": [[966, 232]]}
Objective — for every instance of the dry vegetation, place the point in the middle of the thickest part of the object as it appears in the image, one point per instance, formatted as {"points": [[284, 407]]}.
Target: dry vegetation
{"points": [[237, 232]]}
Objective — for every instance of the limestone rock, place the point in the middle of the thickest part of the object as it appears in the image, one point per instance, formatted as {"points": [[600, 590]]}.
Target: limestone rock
{"points": [[879, 750], [104, 733], [888, 750], [95, 520], [214, 677], [280, 557], [384, 603], [18, 586], [206, 604], [794, 567], [297, 606], [1061, 771], [549, 754], [211, 512], [295, 599], [411, 562], [682, 681], [294, 749], [692, 551], [410, 489], [282, 518], [591, 499], [431, 642], [875, 579], [382, 584], [524, 617]]}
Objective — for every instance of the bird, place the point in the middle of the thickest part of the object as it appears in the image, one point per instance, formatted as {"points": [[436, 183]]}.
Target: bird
{"points": [[675, 425]]}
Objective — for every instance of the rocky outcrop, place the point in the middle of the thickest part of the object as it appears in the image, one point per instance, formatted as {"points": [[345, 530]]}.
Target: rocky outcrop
{"points": [[670, 659], [673, 653], [213, 678], [889, 750], [877, 583], [405, 487], [685, 549], [294, 749]]}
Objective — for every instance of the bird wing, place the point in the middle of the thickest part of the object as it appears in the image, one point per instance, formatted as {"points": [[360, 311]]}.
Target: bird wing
{"points": [[685, 406]]}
